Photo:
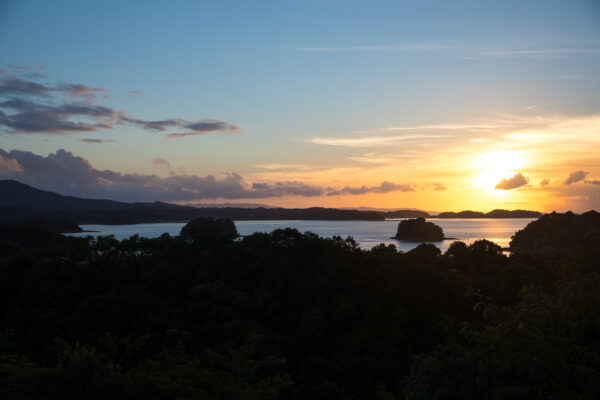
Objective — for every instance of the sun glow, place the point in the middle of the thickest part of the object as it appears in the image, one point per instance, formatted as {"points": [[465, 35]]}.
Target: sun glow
{"points": [[494, 166]]}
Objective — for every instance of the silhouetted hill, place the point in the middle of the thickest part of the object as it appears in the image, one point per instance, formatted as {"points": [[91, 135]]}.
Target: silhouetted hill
{"points": [[556, 231], [406, 214], [513, 214], [28, 236], [16, 194], [492, 214], [461, 214], [20, 201], [57, 225]]}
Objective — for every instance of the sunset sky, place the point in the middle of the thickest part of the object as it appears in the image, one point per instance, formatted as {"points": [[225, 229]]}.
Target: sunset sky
{"points": [[436, 105]]}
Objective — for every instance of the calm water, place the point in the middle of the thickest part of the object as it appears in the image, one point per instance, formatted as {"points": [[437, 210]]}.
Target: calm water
{"points": [[366, 233]]}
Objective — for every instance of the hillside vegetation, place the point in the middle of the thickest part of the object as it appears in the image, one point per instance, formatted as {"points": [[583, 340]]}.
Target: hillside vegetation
{"points": [[287, 315]]}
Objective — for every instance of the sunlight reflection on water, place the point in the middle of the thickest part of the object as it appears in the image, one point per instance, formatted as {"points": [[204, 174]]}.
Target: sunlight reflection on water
{"points": [[366, 233]]}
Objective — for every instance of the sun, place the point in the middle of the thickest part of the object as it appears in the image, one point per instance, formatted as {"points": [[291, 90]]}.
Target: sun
{"points": [[492, 167]]}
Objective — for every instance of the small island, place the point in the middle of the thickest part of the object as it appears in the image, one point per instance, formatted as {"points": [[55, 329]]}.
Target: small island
{"points": [[199, 228], [418, 230]]}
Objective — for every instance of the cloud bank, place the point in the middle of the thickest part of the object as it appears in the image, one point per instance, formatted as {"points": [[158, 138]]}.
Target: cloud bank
{"points": [[66, 173], [33, 107]]}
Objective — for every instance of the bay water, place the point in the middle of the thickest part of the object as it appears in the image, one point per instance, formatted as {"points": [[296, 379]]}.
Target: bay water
{"points": [[366, 233]]}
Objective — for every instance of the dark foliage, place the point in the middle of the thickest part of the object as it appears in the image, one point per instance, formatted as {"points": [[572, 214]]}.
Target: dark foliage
{"points": [[288, 315], [58, 225], [556, 231]]}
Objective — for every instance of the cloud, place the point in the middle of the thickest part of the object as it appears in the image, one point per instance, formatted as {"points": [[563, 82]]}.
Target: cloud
{"points": [[545, 182], [67, 173], [33, 117], [576, 176], [160, 125], [206, 126], [162, 162], [97, 141], [201, 127], [370, 141], [12, 85], [438, 186], [516, 181], [9, 164], [136, 92], [30, 107], [593, 182], [79, 90], [384, 187], [282, 166]]}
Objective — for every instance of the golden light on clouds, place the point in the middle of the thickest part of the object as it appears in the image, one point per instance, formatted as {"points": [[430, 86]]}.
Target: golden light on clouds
{"points": [[494, 166]]}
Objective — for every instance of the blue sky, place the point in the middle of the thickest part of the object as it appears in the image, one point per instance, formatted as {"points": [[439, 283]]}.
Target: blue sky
{"points": [[294, 74]]}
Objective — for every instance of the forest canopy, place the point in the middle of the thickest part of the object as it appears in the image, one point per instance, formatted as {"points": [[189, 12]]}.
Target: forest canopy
{"points": [[290, 315]]}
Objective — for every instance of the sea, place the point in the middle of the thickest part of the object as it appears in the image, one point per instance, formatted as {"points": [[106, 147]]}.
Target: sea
{"points": [[366, 233]]}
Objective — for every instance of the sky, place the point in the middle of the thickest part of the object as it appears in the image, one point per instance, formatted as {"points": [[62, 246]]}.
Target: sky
{"points": [[435, 105]]}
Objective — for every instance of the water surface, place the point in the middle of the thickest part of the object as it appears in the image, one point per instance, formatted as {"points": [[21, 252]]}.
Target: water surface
{"points": [[366, 233]]}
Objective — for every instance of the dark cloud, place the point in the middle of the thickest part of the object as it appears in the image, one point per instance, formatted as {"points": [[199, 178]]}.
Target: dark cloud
{"points": [[33, 117], [27, 107], [14, 86], [593, 182], [384, 187], [97, 141], [206, 126], [138, 92], [67, 173], [201, 127], [516, 181], [154, 125], [576, 176], [545, 182]]}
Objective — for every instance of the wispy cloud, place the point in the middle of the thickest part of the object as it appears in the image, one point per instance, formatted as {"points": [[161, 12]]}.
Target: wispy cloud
{"points": [[162, 162], [282, 166], [370, 141], [205, 126], [97, 141], [539, 52]]}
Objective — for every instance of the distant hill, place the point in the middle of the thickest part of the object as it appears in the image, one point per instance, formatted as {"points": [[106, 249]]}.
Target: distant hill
{"points": [[406, 214], [56, 225], [16, 194], [20, 201], [492, 214]]}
